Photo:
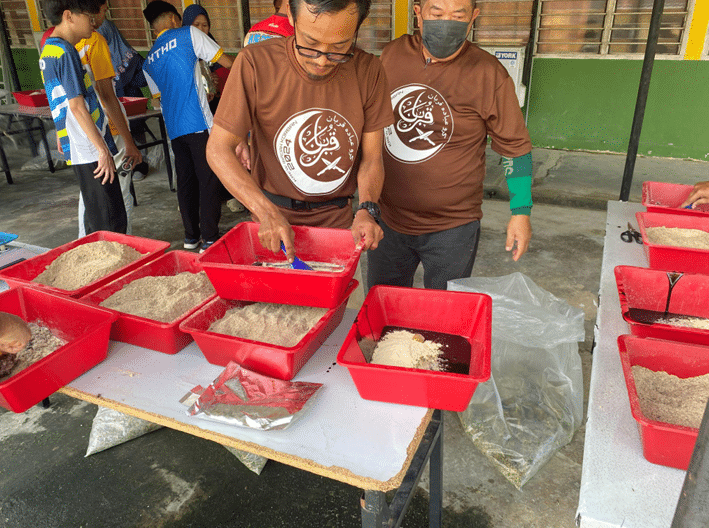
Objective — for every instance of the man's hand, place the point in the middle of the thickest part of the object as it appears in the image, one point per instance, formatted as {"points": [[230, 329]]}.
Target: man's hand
{"points": [[14, 333], [106, 169], [699, 195], [275, 229], [244, 155], [132, 154], [519, 233], [366, 231]]}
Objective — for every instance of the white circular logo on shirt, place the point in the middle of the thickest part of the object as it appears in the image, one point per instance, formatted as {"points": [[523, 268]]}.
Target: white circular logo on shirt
{"points": [[316, 148], [423, 123]]}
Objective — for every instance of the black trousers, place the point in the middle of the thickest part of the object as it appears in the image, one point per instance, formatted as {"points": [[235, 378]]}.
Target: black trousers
{"points": [[198, 188], [104, 209], [445, 255]]}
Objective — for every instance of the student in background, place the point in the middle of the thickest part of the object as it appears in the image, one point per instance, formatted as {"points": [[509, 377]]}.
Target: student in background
{"points": [[277, 25]]}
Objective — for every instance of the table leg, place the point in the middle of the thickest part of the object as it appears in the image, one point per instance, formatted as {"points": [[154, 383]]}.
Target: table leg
{"points": [[5, 165], [375, 511], [166, 148], [42, 131]]}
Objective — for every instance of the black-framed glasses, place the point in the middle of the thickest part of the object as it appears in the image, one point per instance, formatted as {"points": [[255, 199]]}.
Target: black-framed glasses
{"points": [[310, 53]]}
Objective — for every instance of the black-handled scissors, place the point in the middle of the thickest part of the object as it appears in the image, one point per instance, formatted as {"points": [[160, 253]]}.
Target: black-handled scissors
{"points": [[630, 235]]}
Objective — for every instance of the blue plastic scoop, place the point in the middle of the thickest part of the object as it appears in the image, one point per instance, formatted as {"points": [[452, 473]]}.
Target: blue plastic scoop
{"points": [[297, 263]]}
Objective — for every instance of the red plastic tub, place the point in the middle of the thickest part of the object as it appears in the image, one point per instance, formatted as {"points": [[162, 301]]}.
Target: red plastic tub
{"points": [[31, 98], [272, 360], [671, 258], [229, 264], [663, 443], [84, 327], [22, 273], [646, 289], [134, 105], [659, 197], [148, 333], [459, 313]]}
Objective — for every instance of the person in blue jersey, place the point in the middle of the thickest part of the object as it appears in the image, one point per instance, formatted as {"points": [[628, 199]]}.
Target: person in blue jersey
{"points": [[172, 72], [82, 127]]}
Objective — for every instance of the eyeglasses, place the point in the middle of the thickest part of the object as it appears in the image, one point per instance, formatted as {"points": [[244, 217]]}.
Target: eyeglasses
{"points": [[311, 53]]}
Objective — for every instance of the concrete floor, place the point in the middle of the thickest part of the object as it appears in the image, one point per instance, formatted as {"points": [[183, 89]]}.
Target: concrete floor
{"points": [[170, 479]]}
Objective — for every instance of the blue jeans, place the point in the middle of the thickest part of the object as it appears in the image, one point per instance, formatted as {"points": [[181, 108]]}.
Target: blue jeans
{"points": [[445, 255]]}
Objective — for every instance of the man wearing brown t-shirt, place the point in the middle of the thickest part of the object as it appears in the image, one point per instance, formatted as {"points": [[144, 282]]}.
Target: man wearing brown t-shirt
{"points": [[448, 96], [315, 106]]}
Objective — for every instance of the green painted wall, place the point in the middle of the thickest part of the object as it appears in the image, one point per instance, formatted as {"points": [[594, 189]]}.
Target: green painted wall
{"points": [[26, 63], [588, 104]]}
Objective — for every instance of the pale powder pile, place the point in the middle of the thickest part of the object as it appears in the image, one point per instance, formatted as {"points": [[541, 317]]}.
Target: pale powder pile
{"points": [[667, 398], [276, 324], [406, 349], [163, 298], [677, 236], [86, 263], [689, 322], [42, 343]]}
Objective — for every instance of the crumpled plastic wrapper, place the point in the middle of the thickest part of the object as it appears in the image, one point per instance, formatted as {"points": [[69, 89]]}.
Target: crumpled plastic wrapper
{"points": [[111, 428], [242, 397], [252, 461]]}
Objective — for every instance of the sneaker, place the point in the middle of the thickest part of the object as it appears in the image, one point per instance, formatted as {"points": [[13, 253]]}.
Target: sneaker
{"points": [[140, 171], [206, 246], [235, 206], [191, 243]]}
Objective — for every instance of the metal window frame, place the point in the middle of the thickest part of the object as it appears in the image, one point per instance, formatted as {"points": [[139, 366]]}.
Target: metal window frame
{"points": [[605, 44]]}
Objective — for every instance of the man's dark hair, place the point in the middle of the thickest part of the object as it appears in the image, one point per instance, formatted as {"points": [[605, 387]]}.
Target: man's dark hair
{"points": [[54, 9], [318, 7]]}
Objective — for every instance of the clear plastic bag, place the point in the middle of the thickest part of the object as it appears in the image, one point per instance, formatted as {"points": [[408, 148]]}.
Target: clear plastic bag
{"points": [[111, 428], [533, 402]]}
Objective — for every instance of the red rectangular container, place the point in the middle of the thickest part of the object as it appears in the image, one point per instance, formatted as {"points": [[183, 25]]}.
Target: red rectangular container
{"points": [[272, 360], [646, 289], [229, 264], [84, 327], [660, 197], [458, 313], [670, 258], [134, 105], [148, 333], [663, 443], [22, 273], [31, 98]]}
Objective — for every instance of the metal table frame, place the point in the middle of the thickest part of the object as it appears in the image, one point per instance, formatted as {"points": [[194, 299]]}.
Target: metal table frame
{"points": [[17, 113]]}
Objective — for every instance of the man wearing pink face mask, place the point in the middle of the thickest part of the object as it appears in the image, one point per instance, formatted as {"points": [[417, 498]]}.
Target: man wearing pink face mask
{"points": [[448, 96]]}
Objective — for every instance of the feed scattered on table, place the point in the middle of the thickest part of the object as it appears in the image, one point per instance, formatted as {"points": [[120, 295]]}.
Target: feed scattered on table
{"points": [[86, 263], [690, 322], [670, 399], [678, 236], [402, 348], [161, 298], [276, 324], [42, 343]]}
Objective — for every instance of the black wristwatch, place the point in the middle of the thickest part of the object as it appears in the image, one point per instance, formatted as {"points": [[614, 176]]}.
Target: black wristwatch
{"points": [[372, 208]]}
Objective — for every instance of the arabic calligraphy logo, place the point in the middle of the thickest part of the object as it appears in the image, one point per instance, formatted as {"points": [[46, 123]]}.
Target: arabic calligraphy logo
{"points": [[424, 124], [316, 148]]}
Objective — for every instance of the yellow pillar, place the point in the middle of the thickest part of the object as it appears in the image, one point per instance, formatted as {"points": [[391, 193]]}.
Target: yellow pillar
{"points": [[186, 3], [34, 15], [401, 17], [697, 30]]}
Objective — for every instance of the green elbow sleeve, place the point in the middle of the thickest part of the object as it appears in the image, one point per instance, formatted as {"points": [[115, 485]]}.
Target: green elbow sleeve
{"points": [[518, 173]]}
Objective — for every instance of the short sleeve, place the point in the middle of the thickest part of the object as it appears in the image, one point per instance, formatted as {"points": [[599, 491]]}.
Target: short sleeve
{"points": [[378, 112], [71, 75], [204, 47], [505, 123], [235, 109], [100, 58]]}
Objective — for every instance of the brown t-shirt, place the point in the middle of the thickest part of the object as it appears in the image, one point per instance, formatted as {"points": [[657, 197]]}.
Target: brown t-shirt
{"points": [[306, 133], [434, 153]]}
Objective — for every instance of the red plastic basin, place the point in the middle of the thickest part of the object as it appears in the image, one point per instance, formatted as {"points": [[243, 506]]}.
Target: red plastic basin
{"points": [[671, 258], [646, 289], [22, 273], [272, 360], [134, 105], [663, 443], [85, 328], [148, 333], [660, 197], [229, 265], [458, 313], [32, 98]]}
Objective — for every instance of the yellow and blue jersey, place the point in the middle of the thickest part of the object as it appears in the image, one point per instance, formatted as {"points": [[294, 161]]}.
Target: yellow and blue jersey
{"points": [[64, 79]]}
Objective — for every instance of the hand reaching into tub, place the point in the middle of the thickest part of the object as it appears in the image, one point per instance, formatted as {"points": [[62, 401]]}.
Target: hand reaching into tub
{"points": [[699, 195], [14, 333]]}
